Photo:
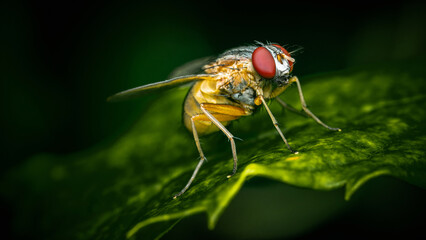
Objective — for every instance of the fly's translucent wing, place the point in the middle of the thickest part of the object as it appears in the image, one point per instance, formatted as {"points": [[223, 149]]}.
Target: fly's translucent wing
{"points": [[170, 83], [192, 67]]}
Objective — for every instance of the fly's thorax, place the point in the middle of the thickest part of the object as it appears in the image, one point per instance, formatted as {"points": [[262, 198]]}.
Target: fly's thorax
{"points": [[245, 96], [240, 87], [236, 79]]}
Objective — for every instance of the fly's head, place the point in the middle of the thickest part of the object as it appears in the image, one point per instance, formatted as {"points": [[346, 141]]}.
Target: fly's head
{"points": [[273, 62]]}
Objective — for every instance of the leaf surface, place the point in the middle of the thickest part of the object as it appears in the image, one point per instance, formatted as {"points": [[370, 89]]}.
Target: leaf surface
{"points": [[125, 189]]}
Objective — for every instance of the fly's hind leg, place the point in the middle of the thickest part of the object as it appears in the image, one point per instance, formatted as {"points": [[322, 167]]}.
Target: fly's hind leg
{"points": [[200, 163], [305, 107], [223, 113], [216, 122]]}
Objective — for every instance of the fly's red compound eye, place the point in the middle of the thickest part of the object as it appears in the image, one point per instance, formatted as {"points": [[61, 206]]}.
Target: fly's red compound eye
{"points": [[263, 62], [286, 53]]}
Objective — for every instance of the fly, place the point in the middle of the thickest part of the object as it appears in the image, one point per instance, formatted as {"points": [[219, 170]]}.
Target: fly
{"points": [[232, 86]]}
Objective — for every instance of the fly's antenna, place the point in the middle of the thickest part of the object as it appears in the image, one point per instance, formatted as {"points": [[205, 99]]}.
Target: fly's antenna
{"points": [[289, 58]]}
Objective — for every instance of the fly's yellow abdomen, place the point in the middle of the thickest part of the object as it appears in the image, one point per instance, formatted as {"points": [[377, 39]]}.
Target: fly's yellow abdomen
{"points": [[205, 92]]}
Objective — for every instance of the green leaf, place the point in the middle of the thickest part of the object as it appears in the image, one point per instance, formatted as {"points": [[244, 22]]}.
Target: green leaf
{"points": [[126, 188]]}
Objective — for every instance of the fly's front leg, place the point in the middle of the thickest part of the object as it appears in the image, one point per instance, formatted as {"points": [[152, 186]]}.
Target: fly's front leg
{"points": [[276, 125], [200, 163], [288, 107], [276, 92], [305, 108]]}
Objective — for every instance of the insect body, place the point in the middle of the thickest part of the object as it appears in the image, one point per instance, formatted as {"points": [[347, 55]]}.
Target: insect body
{"points": [[232, 86]]}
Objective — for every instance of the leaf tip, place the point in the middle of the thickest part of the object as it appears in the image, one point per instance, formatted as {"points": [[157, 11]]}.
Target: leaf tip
{"points": [[353, 186]]}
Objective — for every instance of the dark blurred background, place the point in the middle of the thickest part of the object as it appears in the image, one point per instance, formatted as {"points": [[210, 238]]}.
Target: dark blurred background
{"points": [[60, 60]]}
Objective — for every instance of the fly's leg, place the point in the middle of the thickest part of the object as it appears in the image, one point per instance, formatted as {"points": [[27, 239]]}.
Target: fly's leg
{"points": [[227, 133], [288, 107], [221, 112], [276, 125], [305, 108], [200, 163]]}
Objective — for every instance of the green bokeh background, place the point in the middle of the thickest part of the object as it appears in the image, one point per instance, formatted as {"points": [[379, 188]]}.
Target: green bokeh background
{"points": [[61, 60]]}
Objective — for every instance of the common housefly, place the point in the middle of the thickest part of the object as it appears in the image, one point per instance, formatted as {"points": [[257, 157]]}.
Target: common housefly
{"points": [[232, 86]]}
